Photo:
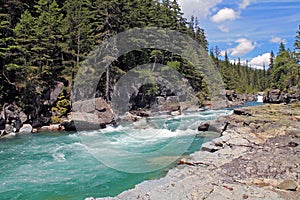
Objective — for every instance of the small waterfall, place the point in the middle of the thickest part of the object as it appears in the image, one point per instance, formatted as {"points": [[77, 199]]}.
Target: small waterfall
{"points": [[259, 98]]}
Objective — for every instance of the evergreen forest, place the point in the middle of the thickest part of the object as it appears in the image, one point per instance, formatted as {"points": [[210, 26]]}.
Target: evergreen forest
{"points": [[45, 41]]}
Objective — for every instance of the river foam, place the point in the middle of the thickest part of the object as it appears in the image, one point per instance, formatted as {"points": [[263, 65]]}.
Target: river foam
{"points": [[61, 166]]}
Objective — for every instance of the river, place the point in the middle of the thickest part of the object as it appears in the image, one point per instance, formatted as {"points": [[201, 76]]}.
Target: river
{"points": [[63, 166]]}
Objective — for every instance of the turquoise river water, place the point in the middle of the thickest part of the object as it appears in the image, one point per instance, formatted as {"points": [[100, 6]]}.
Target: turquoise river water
{"points": [[61, 166]]}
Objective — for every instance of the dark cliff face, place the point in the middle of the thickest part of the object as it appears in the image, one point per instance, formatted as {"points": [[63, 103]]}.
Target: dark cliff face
{"points": [[35, 108]]}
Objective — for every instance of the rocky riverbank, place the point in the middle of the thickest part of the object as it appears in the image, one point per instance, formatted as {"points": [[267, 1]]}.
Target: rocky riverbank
{"points": [[56, 112], [256, 157]]}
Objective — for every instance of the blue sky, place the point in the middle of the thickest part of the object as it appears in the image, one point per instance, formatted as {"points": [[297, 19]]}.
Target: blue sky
{"points": [[248, 29]]}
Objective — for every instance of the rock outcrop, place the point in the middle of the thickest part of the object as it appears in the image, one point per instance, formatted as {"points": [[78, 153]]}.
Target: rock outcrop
{"points": [[36, 112], [91, 114], [218, 125], [11, 119], [277, 96], [26, 128], [230, 99]]}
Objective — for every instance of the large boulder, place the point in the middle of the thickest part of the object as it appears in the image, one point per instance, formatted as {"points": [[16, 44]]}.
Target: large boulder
{"points": [[23, 117], [219, 125], [203, 127], [91, 114], [13, 116], [68, 125], [274, 96], [55, 92], [241, 112], [26, 128]]}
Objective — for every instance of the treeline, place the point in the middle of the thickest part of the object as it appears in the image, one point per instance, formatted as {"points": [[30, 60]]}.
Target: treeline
{"points": [[282, 73], [238, 76]]}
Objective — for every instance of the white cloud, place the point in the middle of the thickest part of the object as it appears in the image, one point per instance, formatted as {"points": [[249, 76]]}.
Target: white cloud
{"points": [[224, 28], [199, 8], [244, 4], [244, 47], [225, 14], [259, 61], [277, 40]]}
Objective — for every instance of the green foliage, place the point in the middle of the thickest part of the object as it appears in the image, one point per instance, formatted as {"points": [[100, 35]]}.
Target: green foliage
{"points": [[285, 72], [297, 46], [203, 95], [174, 65], [61, 109], [242, 79]]}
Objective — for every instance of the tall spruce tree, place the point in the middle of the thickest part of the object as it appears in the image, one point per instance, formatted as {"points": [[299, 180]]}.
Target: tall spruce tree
{"points": [[25, 32]]}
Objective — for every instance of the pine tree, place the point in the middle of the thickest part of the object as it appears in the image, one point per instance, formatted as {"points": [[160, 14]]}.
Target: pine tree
{"points": [[226, 59], [179, 23], [217, 55], [297, 46], [192, 27], [271, 59], [297, 56], [26, 39], [281, 48], [284, 73], [200, 36]]}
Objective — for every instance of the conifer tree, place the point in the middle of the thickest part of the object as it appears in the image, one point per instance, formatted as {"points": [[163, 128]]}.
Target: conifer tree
{"points": [[297, 45], [77, 33], [9, 16], [25, 32], [49, 35]]}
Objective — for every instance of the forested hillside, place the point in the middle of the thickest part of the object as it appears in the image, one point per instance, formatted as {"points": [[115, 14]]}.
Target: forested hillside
{"points": [[43, 42], [282, 73]]}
